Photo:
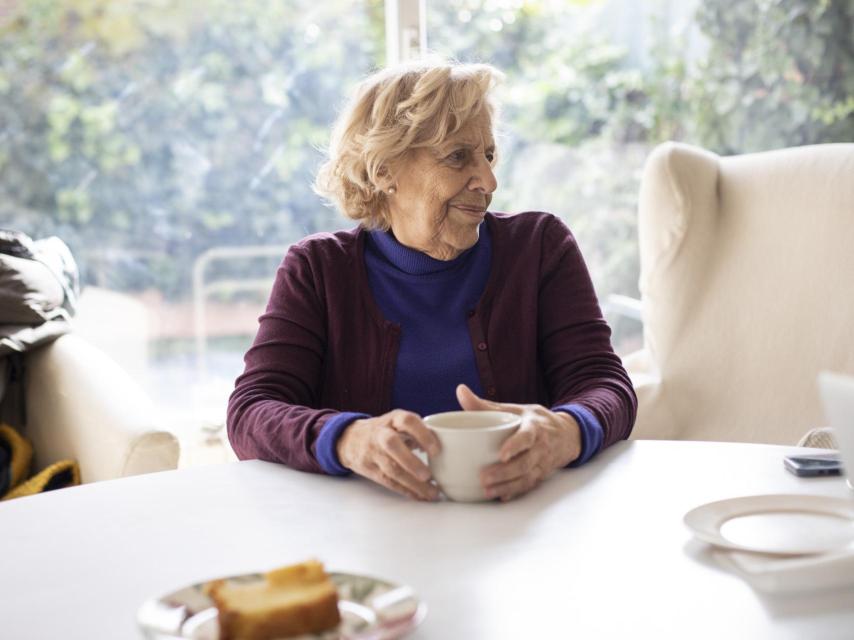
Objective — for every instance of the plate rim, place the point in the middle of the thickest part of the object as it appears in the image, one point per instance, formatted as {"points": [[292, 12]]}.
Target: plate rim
{"points": [[753, 504]]}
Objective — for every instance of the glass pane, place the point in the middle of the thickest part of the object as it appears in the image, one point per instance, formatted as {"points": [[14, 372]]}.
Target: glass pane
{"points": [[593, 85], [172, 145]]}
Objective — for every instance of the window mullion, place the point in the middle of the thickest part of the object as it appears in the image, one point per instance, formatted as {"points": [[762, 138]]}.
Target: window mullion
{"points": [[405, 29]]}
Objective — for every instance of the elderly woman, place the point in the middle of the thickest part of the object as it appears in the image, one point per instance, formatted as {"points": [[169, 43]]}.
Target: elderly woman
{"points": [[431, 304]]}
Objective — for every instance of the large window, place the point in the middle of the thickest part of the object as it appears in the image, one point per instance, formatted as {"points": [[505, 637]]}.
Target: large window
{"points": [[172, 143]]}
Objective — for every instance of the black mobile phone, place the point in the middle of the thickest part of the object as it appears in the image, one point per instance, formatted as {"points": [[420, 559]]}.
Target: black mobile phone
{"points": [[810, 466]]}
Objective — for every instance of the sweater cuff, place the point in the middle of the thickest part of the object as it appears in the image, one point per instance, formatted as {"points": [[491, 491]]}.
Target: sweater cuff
{"points": [[592, 434], [325, 445]]}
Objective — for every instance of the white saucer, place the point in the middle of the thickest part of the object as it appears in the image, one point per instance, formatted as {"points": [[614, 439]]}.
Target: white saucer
{"points": [[776, 524]]}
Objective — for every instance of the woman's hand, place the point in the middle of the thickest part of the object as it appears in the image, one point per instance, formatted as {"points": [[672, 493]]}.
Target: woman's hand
{"points": [[545, 442], [380, 449]]}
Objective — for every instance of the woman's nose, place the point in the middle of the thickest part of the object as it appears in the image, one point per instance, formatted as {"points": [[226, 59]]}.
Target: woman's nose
{"points": [[483, 179]]}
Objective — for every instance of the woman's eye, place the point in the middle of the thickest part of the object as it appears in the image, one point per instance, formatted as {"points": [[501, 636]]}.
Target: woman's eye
{"points": [[457, 156], [490, 157]]}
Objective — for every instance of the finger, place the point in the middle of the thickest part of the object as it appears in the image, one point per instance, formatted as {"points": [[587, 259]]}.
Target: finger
{"points": [[403, 456], [517, 444], [470, 401], [409, 441], [514, 488], [432, 495], [390, 483], [502, 472], [413, 426], [374, 473], [393, 472]]}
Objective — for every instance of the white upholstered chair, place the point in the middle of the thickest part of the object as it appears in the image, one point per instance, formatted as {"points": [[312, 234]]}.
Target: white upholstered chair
{"points": [[747, 285], [82, 405]]}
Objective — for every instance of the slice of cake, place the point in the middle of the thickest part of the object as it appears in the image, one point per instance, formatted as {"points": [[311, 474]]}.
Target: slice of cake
{"points": [[289, 602]]}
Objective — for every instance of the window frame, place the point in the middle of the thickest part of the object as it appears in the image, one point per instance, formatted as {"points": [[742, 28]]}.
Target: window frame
{"points": [[405, 30]]}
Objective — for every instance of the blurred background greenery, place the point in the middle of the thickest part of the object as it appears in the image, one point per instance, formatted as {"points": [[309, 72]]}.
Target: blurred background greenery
{"points": [[148, 132], [145, 132]]}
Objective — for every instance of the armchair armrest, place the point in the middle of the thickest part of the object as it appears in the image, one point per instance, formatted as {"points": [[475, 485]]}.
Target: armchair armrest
{"points": [[624, 306], [82, 405], [623, 314]]}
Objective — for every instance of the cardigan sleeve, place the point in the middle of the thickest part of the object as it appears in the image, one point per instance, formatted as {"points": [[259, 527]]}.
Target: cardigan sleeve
{"points": [[579, 363], [273, 412]]}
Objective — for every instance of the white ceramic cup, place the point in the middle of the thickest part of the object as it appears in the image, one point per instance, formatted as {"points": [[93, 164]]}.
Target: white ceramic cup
{"points": [[470, 441]]}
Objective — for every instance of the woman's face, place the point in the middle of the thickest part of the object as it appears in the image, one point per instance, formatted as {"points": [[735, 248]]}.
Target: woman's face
{"points": [[442, 193]]}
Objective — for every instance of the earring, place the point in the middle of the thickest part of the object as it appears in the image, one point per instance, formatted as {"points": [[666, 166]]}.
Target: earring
{"points": [[392, 191]]}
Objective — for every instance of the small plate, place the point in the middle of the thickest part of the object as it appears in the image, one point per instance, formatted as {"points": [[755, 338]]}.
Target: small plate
{"points": [[776, 524], [371, 609]]}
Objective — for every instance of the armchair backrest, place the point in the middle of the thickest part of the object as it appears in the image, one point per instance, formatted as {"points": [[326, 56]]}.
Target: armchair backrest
{"points": [[747, 283]]}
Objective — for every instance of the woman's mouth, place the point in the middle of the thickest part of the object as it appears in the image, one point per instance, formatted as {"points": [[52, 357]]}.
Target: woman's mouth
{"points": [[471, 210]]}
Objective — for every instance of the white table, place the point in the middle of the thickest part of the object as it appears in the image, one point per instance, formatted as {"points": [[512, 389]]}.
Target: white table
{"points": [[596, 552]]}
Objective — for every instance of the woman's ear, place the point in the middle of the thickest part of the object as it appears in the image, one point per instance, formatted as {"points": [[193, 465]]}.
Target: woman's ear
{"points": [[382, 182], [385, 181]]}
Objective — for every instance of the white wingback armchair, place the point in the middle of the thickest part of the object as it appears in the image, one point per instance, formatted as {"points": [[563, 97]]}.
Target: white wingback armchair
{"points": [[747, 284], [82, 405]]}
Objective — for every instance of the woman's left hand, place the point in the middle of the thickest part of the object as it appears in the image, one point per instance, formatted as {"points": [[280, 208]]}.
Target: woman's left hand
{"points": [[545, 442]]}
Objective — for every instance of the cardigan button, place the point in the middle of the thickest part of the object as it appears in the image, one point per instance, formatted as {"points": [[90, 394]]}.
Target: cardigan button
{"points": [[492, 392], [470, 313], [481, 346]]}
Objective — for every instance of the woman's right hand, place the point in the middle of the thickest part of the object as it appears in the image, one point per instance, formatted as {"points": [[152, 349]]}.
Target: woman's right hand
{"points": [[380, 449]]}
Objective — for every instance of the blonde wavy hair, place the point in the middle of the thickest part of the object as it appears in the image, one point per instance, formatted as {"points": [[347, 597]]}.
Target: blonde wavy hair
{"points": [[393, 112]]}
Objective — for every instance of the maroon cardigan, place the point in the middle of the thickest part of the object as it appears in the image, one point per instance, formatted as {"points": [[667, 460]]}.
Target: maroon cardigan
{"points": [[323, 345]]}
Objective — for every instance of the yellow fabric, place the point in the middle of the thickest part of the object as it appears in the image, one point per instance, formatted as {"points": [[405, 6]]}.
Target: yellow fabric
{"points": [[38, 482], [22, 454], [746, 265], [64, 473]]}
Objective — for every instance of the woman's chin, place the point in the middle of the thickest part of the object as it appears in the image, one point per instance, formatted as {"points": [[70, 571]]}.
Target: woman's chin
{"points": [[465, 241]]}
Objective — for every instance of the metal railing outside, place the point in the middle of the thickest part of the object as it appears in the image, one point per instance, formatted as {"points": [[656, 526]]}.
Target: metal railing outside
{"points": [[202, 289]]}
